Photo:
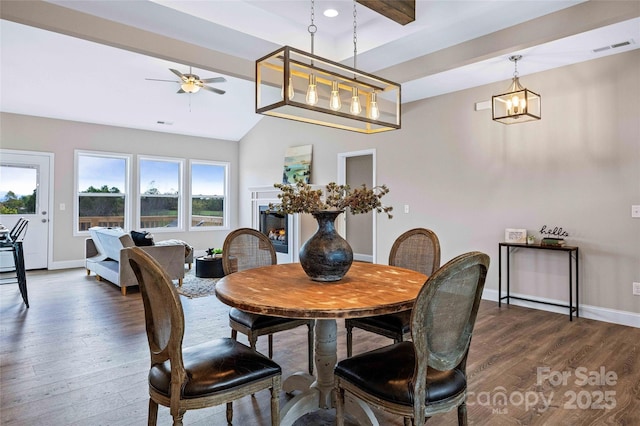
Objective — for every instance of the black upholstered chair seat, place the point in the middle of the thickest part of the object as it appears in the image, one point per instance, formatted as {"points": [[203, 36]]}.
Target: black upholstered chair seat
{"points": [[256, 321], [397, 323], [213, 367], [387, 373]]}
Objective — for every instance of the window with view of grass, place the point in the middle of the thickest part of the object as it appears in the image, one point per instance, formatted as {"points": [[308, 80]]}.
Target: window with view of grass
{"points": [[160, 193], [209, 191], [102, 188]]}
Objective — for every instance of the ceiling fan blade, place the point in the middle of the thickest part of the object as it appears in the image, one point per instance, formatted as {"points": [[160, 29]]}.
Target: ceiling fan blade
{"points": [[179, 74], [157, 79], [213, 89], [214, 80]]}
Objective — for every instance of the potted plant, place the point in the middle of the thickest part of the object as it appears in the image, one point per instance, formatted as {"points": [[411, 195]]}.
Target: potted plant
{"points": [[326, 256]]}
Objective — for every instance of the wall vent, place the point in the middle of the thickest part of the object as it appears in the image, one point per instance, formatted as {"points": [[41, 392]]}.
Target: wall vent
{"points": [[613, 46]]}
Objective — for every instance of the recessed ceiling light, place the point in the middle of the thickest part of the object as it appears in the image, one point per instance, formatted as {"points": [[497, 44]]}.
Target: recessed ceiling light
{"points": [[330, 13]]}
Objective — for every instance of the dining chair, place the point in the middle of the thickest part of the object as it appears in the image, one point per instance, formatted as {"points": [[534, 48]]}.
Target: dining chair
{"points": [[247, 248], [426, 376], [417, 249], [19, 229], [13, 245], [212, 373]]}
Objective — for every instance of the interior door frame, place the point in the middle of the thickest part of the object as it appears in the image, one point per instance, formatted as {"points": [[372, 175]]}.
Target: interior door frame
{"points": [[50, 211], [341, 222]]}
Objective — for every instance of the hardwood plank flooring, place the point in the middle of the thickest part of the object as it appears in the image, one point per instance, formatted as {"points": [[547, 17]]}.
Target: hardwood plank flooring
{"points": [[79, 356]]}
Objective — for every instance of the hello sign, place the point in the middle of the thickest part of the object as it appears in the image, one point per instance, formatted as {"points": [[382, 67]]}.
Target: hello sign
{"points": [[553, 232]]}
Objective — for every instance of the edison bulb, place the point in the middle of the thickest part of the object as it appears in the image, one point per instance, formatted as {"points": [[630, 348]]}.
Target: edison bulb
{"points": [[312, 91], [355, 107], [515, 100], [334, 101], [290, 92], [374, 111]]}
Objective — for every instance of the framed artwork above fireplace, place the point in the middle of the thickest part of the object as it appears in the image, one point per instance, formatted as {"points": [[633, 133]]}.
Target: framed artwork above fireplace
{"points": [[297, 164]]}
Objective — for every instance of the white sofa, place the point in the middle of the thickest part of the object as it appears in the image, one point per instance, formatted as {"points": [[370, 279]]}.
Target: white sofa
{"points": [[104, 256]]}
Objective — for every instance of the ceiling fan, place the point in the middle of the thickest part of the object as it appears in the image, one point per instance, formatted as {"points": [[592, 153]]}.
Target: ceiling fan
{"points": [[191, 83]]}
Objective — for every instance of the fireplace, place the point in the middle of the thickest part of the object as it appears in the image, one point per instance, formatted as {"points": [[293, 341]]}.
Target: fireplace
{"points": [[275, 226]]}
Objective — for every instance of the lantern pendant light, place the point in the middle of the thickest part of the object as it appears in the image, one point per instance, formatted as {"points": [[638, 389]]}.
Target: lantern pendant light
{"points": [[519, 104]]}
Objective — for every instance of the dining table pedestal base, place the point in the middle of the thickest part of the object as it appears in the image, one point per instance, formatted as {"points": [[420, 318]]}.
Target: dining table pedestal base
{"points": [[318, 392]]}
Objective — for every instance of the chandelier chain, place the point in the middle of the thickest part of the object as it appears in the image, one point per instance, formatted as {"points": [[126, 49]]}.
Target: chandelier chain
{"points": [[355, 34], [312, 27]]}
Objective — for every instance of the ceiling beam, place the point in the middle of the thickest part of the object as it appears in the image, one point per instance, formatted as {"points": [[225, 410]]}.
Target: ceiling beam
{"points": [[400, 11]]}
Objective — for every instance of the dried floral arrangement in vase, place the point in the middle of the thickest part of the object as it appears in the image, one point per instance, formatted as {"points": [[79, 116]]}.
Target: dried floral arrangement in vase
{"points": [[302, 198], [326, 256]]}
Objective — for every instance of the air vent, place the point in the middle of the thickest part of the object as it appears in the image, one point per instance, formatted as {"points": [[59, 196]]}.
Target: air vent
{"points": [[166, 123], [613, 46]]}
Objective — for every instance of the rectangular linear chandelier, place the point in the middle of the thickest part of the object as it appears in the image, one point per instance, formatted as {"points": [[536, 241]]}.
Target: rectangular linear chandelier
{"points": [[323, 92]]}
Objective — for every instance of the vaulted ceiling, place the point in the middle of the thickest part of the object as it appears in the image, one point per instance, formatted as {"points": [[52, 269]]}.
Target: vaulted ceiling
{"points": [[89, 61]]}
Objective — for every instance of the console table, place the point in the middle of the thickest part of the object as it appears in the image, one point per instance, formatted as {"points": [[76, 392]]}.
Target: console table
{"points": [[572, 251]]}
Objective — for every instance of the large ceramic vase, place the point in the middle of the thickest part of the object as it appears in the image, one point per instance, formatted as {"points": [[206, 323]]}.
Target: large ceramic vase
{"points": [[326, 256]]}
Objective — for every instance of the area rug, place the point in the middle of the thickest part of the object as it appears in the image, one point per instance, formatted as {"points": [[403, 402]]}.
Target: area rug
{"points": [[193, 286]]}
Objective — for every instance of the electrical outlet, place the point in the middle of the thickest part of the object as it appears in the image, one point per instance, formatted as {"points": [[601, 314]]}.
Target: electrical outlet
{"points": [[406, 208], [636, 289]]}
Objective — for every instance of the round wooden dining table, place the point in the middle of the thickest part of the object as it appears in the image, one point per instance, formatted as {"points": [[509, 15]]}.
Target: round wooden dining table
{"points": [[285, 290]]}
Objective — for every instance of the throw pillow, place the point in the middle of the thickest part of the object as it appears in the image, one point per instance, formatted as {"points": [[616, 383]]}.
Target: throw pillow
{"points": [[142, 239]]}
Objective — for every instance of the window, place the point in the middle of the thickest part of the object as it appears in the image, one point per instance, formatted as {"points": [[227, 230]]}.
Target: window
{"points": [[209, 189], [102, 188], [160, 193], [18, 189]]}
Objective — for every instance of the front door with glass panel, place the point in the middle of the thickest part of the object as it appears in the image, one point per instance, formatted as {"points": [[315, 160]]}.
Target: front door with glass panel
{"points": [[24, 192]]}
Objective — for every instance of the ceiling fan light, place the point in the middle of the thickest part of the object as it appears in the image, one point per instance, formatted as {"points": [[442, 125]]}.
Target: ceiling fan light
{"points": [[190, 87]]}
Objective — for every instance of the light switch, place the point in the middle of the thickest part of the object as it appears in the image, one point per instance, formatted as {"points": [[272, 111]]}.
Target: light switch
{"points": [[406, 208], [635, 211], [63, 206]]}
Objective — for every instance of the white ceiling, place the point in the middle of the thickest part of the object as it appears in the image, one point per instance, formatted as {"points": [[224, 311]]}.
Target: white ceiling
{"points": [[49, 74]]}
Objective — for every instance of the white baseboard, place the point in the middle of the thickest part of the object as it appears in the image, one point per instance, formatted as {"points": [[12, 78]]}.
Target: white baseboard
{"points": [[69, 264], [598, 313]]}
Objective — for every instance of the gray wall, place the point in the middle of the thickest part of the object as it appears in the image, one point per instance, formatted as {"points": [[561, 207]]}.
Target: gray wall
{"points": [[463, 176], [63, 137], [468, 178]]}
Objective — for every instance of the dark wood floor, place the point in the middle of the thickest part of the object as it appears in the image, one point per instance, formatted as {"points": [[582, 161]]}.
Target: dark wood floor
{"points": [[79, 356]]}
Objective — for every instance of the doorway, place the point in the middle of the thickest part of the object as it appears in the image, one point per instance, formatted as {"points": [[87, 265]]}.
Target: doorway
{"points": [[24, 192], [354, 169]]}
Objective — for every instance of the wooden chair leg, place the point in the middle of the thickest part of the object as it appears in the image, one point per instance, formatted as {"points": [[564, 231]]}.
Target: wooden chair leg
{"points": [[310, 343], [349, 341], [462, 414], [229, 412], [123, 289], [179, 282], [275, 404], [153, 413], [339, 407], [177, 419]]}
